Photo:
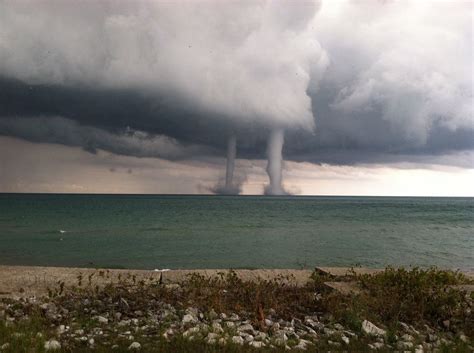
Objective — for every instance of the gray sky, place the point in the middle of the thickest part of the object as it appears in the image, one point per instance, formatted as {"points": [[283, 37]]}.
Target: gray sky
{"points": [[375, 97]]}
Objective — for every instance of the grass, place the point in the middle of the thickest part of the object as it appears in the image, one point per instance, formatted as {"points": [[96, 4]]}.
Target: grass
{"points": [[417, 297]]}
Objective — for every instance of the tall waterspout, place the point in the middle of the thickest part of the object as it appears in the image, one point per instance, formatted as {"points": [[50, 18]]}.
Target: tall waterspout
{"points": [[275, 162], [231, 153]]}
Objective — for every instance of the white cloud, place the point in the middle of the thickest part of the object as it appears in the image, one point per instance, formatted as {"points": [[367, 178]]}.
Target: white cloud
{"points": [[405, 63]]}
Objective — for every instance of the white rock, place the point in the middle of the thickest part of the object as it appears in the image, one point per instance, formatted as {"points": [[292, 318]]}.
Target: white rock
{"points": [[5, 346], [248, 338], [212, 335], [190, 332], [216, 327], [188, 318], [404, 326], [135, 346], [52, 345], [345, 339], [300, 346], [102, 320], [237, 340], [404, 345], [378, 345], [281, 334], [245, 328], [419, 349], [280, 342], [169, 332], [370, 329], [91, 342], [234, 317], [222, 341], [328, 331], [124, 323], [257, 344]]}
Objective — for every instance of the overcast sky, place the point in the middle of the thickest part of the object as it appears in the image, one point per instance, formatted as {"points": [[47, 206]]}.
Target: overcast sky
{"points": [[374, 97]]}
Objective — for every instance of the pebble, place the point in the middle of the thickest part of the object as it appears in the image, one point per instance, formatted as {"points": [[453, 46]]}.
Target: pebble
{"points": [[257, 344], [372, 330], [404, 345], [135, 346], [188, 318], [237, 340], [245, 328], [52, 345], [419, 349], [217, 328], [102, 320], [190, 332], [378, 345]]}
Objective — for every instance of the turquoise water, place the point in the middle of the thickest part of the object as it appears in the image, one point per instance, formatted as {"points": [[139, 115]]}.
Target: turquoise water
{"points": [[153, 231]]}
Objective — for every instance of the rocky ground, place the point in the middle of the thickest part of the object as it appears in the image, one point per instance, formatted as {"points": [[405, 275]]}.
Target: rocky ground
{"points": [[227, 314]]}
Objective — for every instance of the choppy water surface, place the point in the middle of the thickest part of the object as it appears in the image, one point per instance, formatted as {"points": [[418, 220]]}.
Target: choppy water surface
{"points": [[235, 232]]}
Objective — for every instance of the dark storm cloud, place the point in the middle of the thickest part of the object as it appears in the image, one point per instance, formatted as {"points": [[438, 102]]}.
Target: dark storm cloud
{"points": [[154, 79], [128, 142]]}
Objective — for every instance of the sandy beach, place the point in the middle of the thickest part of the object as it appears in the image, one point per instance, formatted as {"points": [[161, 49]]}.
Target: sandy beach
{"points": [[26, 281]]}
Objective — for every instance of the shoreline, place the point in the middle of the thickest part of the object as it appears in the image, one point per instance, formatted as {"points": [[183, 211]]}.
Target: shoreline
{"points": [[24, 281]]}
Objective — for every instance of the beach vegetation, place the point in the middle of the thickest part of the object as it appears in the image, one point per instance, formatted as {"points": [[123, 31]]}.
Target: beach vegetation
{"points": [[396, 309]]}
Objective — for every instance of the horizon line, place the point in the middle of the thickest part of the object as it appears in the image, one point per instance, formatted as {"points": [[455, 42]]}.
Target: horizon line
{"points": [[223, 195]]}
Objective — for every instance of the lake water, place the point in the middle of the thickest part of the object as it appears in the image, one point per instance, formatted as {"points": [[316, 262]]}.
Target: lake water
{"points": [[190, 232]]}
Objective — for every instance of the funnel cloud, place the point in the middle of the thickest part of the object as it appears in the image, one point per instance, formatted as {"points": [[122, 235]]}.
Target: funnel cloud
{"points": [[229, 176], [320, 82]]}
